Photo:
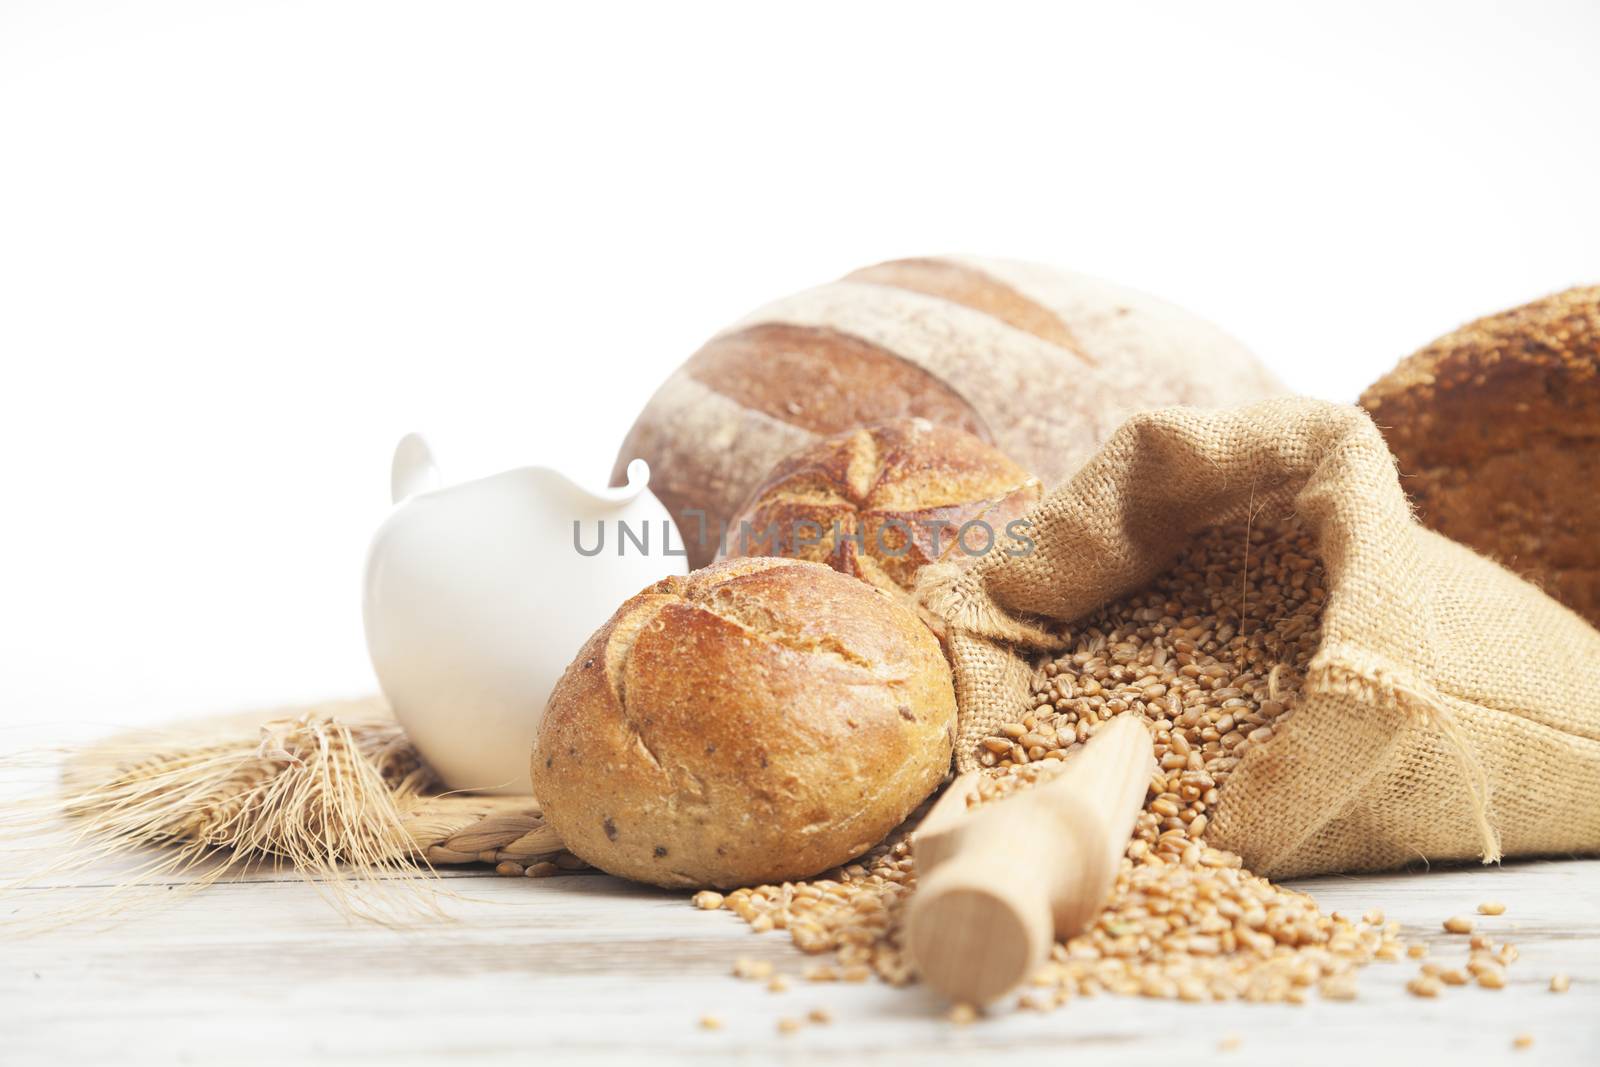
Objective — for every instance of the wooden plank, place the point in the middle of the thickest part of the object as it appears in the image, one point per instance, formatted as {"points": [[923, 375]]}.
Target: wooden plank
{"points": [[595, 969]]}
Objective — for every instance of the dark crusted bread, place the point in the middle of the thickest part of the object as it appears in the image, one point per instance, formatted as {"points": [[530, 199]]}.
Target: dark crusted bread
{"points": [[1496, 428]]}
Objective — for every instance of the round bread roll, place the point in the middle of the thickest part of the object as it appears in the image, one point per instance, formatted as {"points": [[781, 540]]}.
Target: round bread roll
{"points": [[882, 502], [757, 721], [1042, 363], [1496, 428]]}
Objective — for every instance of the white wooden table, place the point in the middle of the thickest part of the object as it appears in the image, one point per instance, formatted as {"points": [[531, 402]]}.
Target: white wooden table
{"points": [[591, 968]]}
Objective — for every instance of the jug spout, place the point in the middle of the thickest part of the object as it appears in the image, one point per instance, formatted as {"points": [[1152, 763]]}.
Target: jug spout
{"points": [[638, 481], [638, 477]]}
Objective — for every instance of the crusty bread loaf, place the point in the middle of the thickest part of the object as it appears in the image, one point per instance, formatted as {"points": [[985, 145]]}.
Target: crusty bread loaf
{"points": [[759, 720], [884, 501], [1042, 363], [1496, 428]]}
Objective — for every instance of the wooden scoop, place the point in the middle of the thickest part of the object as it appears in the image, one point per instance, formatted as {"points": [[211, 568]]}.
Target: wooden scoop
{"points": [[996, 887]]}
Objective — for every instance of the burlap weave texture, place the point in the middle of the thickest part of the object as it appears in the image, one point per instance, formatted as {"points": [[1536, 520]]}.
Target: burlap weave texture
{"points": [[1452, 710]]}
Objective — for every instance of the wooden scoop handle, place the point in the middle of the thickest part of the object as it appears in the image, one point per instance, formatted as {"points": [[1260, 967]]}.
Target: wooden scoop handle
{"points": [[997, 887]]}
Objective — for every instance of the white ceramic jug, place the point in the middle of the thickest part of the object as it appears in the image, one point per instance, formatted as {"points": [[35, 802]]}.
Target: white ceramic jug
{"points": [[478, 596]]}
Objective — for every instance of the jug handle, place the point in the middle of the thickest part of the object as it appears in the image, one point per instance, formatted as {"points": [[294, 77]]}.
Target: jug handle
{"points": [[413, 469]]}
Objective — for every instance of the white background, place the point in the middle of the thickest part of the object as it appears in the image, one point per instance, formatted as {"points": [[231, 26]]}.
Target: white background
{"points": [[242, 249]]}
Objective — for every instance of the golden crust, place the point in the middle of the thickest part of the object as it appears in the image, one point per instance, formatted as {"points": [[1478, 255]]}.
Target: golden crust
{"points": [[1559, 333], [760, 720], [822, 380], [885, 501], [962, 284]]}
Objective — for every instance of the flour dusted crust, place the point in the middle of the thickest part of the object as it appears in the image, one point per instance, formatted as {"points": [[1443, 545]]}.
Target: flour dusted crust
{"points": [[1496, 428], [1043, 364], [758, 721], [1187, 359]]}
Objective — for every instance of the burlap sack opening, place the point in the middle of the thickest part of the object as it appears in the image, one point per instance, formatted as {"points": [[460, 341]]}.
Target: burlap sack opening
{"points": [[1452, 710]]}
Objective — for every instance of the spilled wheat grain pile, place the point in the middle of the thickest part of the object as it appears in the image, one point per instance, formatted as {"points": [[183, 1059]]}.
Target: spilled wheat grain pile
{"points": [[1212, 655]]}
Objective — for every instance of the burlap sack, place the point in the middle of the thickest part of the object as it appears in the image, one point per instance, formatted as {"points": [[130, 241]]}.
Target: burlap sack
{"points": [[1452, 710]]}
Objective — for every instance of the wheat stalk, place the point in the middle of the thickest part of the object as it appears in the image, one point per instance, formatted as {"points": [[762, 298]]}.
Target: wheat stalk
{"points": [[335, 791]]}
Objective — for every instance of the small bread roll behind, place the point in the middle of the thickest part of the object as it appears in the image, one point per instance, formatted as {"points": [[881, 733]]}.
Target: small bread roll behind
{"points": [[882, 502], [757, 721]]}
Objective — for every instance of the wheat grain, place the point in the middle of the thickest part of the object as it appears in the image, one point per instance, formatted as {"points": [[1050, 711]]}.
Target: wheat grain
{"points": [[1214, 674]]}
